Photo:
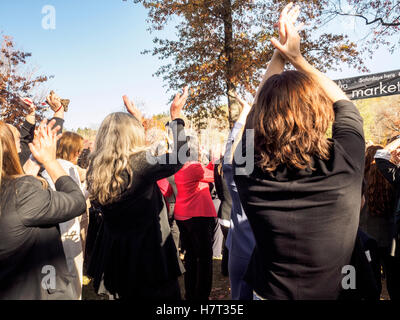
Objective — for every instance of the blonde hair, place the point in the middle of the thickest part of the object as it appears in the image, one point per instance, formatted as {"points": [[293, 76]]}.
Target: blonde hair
{"points": [[119, 137], [69, 145]]}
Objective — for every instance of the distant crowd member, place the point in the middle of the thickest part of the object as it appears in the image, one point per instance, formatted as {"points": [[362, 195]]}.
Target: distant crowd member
{"points": [[377, 214], [224, 212], [30, 213], [27, 129], [68, 150], [195, 215], [134, 256], [303, 197], [387, 161], [240, 240]]}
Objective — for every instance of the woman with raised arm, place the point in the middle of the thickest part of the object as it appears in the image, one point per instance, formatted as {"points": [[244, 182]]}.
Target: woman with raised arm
{"points": [[134, 256], [303, 196], [32, 260]]}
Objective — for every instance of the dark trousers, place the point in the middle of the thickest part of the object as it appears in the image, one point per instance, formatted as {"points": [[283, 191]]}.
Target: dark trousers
{"points": [[218, 240], [197, 236], [174, 232], [391, 267], [225, 252]]}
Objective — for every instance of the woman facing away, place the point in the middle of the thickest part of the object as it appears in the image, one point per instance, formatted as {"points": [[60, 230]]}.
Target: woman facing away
{"points": [[32, 260], [68, 150], [303, 197], [377, 215], [134, 256], [387, 161], [195, 215]]}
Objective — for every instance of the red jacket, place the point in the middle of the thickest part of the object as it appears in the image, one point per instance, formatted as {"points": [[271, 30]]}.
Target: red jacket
{"points": [[194, 198]]}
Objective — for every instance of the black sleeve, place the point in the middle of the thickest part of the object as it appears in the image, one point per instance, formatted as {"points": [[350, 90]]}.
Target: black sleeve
{"points": [[27, 132], [170, 163], [218, 183], [59, 122], [389, 170], [348, 130], [42, 207]]}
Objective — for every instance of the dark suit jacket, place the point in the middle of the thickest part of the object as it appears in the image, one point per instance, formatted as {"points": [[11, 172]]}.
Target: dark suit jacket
{"points": [[31, 251]]}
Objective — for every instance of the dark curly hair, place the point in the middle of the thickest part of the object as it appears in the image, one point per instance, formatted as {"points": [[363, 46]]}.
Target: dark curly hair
{"points": [[380, 194]]}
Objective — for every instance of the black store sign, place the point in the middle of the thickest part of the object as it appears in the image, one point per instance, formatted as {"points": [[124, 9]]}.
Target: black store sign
{"points": [[370, 86]]}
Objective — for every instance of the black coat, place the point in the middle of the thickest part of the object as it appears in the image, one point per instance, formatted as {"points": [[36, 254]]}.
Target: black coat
{"points": [[134, 254], [225, 208], [305, 221], [30, 240]]}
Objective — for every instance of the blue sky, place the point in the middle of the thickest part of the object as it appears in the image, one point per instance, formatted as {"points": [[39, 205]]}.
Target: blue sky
{"points": [[94, 53]]}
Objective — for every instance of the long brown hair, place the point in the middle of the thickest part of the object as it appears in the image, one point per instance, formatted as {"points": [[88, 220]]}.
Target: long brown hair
{"points": [[290, 120], [69, 145], [10, 164], [380, 194]]}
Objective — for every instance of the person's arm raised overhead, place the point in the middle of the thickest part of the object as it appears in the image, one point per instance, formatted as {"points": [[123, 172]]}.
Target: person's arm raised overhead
{"points": [[167, 164], [290, 49], [27, 131], [39, 206], [54, 101], [278, 61], [131, 108]]}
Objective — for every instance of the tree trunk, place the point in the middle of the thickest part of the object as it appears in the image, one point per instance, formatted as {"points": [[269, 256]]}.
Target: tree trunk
{"points": [[228, 48]]}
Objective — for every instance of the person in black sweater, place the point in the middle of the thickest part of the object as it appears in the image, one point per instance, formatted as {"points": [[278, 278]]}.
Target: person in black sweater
{"points": [[32, 260], [27, 130], [134, 256], [224, 211], [303, 197], [387, 161]]}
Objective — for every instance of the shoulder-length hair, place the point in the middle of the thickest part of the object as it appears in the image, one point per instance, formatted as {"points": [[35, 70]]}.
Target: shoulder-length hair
{"points": [[119, 136], [69, 145], [290, 119], [10, 164], [380, 194]]}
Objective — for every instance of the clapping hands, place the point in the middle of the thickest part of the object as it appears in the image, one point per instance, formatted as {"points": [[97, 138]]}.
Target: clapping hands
{"points": [[178, 103], [289, 40], [44, 144]]}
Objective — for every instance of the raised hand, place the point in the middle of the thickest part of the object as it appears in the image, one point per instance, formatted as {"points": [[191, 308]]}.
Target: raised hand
{"points": [[289, 40], [28, 102], [131, 108], [243, 103], [44, 144], [178, 103], [54, 102]]}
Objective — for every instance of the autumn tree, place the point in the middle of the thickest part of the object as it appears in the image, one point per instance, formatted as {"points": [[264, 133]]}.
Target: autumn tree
{"points": [[381, 17], [223, 46], [17, 79]]}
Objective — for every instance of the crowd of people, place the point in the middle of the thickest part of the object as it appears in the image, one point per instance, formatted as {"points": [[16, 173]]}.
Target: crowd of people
{"points": [[134, 218]]}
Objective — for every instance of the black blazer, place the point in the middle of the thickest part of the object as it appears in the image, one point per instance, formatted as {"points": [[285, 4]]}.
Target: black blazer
{"points": [[30, 240], [225, 208]]}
